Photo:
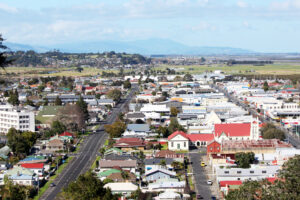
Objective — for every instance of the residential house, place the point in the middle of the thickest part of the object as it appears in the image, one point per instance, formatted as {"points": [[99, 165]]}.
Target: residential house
{"points": [[123, 176], [21, 176], [159, 173], [125, 189], [55, 145], [153, 163], [37, 168], [129, 144], [129, 165]]}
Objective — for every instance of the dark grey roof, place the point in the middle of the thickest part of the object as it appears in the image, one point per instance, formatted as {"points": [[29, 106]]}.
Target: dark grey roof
{"points": [[122, 157], [138, 127], [135, 115], [156, 161]]}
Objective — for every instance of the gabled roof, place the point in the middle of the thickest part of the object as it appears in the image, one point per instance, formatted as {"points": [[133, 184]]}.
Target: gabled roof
{"points": [[183, 134], [162, 170], [33, 165], [200, 137], [233, 129]]}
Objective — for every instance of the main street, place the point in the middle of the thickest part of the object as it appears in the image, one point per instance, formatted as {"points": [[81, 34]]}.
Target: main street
{"points": [[290, 137], [199, 176], [88, 152]]}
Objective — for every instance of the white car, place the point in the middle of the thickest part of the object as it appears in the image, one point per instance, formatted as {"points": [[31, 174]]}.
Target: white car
{"points": [[209, 182]]}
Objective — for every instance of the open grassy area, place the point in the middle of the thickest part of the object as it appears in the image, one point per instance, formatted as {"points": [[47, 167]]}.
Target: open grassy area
{"points": [[52, 178], [46, 115], [33, 71], [281, 68]]}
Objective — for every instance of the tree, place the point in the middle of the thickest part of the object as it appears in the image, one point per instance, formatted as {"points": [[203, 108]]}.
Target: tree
{"points": [[72, 117], [174, 111], [58, 101], [266, 86], [11, 191], [20, 142], [174, 126], [244, 160], [83, 107], [58, 127], [188, 77], [87, 186], [4, 62], [116, 129], [127, 84], [163, 163], [270, 131], [114, 94], [14, 98]]}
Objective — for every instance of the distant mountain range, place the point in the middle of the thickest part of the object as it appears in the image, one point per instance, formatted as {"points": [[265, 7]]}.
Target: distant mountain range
{"points": [[145, 47]]}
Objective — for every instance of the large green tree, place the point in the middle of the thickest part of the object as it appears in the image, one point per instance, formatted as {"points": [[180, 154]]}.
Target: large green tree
{"points": [[270, 131], [83, 107], [20, 142], [87, 187], [114, 94], [244, 159], [116, 129], [14, 98]]}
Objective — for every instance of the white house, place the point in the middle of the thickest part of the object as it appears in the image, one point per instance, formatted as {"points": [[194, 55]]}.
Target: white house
{"points": [[178, 141]]}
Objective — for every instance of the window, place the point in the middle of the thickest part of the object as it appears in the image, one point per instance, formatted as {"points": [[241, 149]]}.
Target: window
{"points": [[218, 148], [178, 146], [251, 172], [211, 148], [264, 171], [184, 144], [226, 172], [239, 172], [172, 144]]}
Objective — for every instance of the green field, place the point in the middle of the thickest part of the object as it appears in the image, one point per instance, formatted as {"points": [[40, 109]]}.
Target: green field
{"points": [[33, 71], [282, 69]]}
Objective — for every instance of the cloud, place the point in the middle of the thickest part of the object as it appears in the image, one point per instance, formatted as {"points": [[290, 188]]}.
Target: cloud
{"points": [[7, 8], [203, 26], [242, 4], [286, 5]]}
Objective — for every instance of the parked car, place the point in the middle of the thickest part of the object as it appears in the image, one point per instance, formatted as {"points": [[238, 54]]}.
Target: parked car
{"points": [[198, 196], [209, 182]]}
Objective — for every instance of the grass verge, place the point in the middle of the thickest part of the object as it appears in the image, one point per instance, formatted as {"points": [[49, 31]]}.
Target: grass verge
{"points": [[94, 163], [52, 178]]}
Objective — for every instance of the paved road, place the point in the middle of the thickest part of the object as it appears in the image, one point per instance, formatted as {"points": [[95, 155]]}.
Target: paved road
{"points": [[290, 137], [199, 176], [88, 152]]}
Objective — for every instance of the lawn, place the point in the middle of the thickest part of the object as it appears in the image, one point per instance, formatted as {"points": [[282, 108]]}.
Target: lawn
{"points": [[280, 68], [164, 146], [52, 178], [46, 115]]}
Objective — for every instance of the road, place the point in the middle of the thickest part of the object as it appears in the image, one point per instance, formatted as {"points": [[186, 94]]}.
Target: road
{"points": [[88, 152], [290, 137], [201, 186]]}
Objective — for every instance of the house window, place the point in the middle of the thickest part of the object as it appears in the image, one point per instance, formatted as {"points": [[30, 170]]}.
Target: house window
{"points": [[264, 171], [184, 144], [251, 172], [172, 144], [239, 172], [226, 172], [178, 146], [218, 148], [211, 148]]}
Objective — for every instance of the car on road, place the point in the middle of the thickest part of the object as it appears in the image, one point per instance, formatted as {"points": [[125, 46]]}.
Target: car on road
{"points": [[213, 198], [209, 182], [198, 196], [52, 185], [203, 164]]}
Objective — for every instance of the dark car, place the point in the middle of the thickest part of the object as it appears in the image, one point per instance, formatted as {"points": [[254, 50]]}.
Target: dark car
{"points": [[52, 185], [213, 198], [198, 196]]}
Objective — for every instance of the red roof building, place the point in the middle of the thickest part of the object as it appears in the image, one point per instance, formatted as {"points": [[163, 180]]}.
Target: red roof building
{"points": [[33, 165], [129, 143], [233, 129], [213, 147], [183, 134], [66, 134]]}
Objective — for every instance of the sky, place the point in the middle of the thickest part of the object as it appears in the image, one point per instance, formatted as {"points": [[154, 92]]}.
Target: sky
{"points": [[258, 25]]}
